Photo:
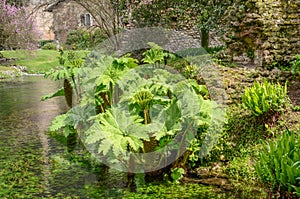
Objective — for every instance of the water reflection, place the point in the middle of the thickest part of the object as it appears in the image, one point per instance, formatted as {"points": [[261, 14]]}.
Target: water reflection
{"points": [[24, 120], [25, 93], [32, 164]]}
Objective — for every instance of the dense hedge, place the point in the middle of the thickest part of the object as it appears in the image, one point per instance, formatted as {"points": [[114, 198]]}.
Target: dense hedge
{"points": [[84, 39]]}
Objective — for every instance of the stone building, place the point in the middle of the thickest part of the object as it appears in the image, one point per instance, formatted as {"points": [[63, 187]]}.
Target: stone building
{"points": [[258, 32], [54, 21], [44, 21], [67, 16]]}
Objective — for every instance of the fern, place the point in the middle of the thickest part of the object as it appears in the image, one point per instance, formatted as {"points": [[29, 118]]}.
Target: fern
{"points": [[278, 166], [265, 97]]}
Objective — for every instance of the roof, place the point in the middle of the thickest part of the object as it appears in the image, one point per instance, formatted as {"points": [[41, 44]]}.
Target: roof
{"points": [[54, 5]]}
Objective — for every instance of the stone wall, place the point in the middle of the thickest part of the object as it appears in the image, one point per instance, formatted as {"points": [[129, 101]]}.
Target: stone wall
{"points": [[66, 17], [44, 21], [263, 32], [236, 79]]}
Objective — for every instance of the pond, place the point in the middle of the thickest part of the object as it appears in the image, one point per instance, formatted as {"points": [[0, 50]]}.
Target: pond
{"points": [[35, 164], [32, 163]]}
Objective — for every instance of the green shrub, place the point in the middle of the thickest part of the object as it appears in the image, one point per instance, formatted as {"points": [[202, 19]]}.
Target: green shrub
{"points": [[129, 128], [296, 64], [279, 166], [265, 98], [78, 39], [214, 50], [49, 46], [43, 42], [96, 37], [84, 39], [177, 174], [241, 168]]}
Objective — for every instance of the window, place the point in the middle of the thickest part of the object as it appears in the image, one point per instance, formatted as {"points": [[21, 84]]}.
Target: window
{"points": [[86, 20]]}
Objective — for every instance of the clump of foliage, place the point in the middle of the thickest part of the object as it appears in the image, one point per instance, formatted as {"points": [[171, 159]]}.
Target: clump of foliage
{"points": [[49, 46], [155, 55], [296, 64], [238, 145], [241, 169], [177, 174], [279, 166], [68, 71], [156, 111], [114, 130], [84, 39], [266, 99]]}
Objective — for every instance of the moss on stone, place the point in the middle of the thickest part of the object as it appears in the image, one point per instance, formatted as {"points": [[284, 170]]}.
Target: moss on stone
{"points": [[277, 27]]}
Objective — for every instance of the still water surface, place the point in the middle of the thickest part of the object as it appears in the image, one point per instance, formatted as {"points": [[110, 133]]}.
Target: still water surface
{"points": [[32, 163]]}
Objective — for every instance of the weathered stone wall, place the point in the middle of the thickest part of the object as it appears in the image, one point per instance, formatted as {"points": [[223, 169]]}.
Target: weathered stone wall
{"points": [[66, 17], [235, 80], [44, 21], [262, 32]]}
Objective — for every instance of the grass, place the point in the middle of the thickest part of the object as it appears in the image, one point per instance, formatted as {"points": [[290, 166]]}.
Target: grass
{"points": [[4, 68], [38, 61]]}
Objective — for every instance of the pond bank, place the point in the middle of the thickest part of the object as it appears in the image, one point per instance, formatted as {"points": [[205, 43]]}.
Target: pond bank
{"points": [[10, 72]]}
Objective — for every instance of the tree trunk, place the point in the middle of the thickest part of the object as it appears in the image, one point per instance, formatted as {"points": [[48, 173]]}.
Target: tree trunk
{"points": [[71, 142], [130, 175], [68, 92], [204, 37]]}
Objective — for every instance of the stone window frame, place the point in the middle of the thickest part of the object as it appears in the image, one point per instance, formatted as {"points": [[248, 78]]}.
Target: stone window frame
{"points": [[86, 20]]}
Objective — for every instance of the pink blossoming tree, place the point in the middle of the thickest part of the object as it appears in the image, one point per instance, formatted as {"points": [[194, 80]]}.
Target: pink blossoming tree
{"points": [[17, 28]]}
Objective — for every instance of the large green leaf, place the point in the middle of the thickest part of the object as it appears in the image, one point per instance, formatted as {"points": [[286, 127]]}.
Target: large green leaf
{"points": [[58, 93], [113, 131], [59, 122]]}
